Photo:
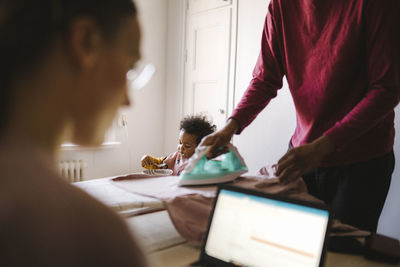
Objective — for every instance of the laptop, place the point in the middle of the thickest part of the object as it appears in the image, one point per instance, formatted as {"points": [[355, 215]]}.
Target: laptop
{"points": [[251, 228]]}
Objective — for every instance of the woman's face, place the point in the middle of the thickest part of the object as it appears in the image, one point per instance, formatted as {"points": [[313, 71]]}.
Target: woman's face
{"points": [[187, 144], [105, 88]]}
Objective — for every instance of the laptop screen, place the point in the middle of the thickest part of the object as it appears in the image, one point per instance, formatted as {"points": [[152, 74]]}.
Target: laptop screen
{"points": [[254, 230]]}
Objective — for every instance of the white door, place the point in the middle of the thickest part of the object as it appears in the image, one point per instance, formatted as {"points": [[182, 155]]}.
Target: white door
{"points": [[208, 49]]}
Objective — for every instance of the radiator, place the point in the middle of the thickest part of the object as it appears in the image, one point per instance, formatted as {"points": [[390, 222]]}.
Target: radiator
{"points": [[72, 170]]}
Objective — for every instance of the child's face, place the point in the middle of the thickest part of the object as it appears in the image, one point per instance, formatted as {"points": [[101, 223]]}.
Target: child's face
{"points": [[187, 144]]}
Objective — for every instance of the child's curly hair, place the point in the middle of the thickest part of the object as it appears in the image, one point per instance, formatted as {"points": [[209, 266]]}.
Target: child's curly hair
{"points": [[197, 125]]}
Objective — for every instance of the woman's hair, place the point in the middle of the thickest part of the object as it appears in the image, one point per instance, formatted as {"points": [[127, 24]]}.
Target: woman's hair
{"points": [[29, 27], [197, 125]]}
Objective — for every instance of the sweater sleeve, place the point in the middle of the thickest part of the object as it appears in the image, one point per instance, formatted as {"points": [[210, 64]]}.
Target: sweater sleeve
{"points": [[267, 74], [382, 57]]}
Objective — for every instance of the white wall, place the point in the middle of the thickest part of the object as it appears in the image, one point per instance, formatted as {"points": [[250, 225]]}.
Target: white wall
{"points": [[175, 56], [146, 116], [146, 121]]}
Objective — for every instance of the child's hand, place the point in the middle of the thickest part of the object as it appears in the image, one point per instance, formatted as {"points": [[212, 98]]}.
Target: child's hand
{"points": [[148, 163]]}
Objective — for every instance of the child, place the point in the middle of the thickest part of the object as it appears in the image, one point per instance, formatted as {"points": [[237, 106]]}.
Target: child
{"points": [[192, 130]]}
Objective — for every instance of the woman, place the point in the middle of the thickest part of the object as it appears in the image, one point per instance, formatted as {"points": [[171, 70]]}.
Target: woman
{"points": [[62, 78]]}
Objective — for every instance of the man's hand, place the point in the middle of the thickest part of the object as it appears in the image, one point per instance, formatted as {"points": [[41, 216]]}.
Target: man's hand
{"points": [[300, 160], [220, 139]]}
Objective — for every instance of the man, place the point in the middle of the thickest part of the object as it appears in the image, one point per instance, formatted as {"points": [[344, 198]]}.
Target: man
{"points": [[341, 61]]}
